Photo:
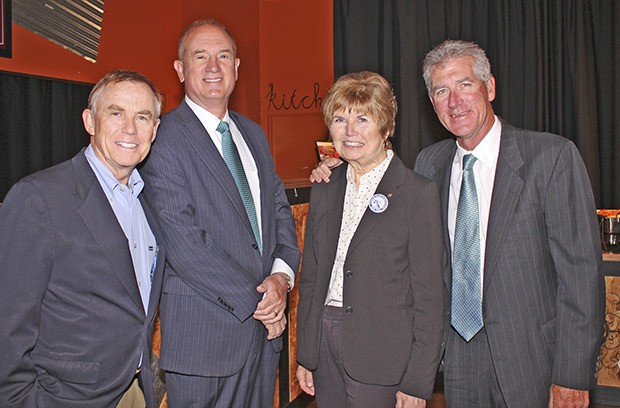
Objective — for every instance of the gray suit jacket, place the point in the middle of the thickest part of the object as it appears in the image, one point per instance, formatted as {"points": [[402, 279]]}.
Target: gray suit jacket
{"points": [[543, 296], [393, 285], [73, 324], [214, 264]]}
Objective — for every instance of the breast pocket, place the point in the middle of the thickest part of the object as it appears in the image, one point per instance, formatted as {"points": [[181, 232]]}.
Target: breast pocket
{"points": [[73, 371]]}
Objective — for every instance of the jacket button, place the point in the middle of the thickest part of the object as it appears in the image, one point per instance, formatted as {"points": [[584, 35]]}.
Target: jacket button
{"points": [[349, 310], [255, 246], [349, 274]]}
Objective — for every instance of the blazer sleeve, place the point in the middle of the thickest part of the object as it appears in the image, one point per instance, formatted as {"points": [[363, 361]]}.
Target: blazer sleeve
{"points": [[426, 262], [26, 245], [570, 215], [286, 234]]}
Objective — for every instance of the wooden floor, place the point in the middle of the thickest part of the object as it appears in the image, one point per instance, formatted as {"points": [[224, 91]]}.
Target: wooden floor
{"points": [[438, 402]]}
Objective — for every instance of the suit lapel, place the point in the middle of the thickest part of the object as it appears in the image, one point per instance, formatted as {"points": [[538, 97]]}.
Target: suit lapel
{"points": [[506, 190], [198, 137], [161, 256], [263, 169], [443, 171], [388, 186], [102, 224]]}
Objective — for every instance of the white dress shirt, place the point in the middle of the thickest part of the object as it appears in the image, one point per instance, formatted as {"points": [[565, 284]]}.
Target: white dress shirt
{"points": [[486, 153]]}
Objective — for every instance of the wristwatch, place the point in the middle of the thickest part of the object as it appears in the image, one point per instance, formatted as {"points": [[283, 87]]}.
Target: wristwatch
{"points": [[289, 281]]}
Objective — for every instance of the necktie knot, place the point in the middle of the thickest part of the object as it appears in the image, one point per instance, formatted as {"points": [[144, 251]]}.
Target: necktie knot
{"points": [[223, 127], [468, 160]]}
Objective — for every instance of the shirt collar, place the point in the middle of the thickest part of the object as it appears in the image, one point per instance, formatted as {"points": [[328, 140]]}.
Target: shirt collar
{"points": [[487, 150], [208, 120], [107, 180], [379, 170]]}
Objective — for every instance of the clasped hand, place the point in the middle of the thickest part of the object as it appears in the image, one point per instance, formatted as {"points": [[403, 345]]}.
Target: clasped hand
{"points": [[270, 310]]}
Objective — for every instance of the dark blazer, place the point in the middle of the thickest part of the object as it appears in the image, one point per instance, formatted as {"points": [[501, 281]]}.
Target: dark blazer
{"points": [[393, 287], [214, 262], [73, 324], [543, 290]]}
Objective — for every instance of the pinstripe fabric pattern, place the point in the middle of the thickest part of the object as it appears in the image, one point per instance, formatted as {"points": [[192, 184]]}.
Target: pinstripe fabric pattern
{"points": [[214, 264], [543, 290]]}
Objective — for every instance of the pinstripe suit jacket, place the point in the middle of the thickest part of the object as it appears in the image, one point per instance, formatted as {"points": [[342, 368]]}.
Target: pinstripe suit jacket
{"points": [[543, 290], [73, 324], [213, 263]]}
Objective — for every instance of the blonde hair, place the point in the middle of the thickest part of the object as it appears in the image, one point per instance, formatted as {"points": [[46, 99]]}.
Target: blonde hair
{"points": [[365, 92]]}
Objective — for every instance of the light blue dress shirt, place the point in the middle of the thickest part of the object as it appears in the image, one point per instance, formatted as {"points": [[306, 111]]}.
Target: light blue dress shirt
{"points": [[126, 206]]}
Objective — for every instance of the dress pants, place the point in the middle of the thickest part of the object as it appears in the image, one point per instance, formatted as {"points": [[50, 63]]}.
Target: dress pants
{"points": [[334, 387], [252, 387], [470, 380]]}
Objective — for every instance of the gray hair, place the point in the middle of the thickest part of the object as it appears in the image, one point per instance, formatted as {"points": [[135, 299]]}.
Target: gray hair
{"points": [[451, 49], [114, 77]]}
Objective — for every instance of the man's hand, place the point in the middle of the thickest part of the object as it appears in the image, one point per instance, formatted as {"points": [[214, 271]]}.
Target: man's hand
{"points": [[270, 309], [561, 397], [408, 401], [323, 170], [275, 330], [305, 380]]}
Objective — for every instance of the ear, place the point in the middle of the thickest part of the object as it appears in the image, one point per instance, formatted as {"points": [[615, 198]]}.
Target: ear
{"points": [[237, 63], [490, 84], [155, 130], [178, 67], [88, 118]]}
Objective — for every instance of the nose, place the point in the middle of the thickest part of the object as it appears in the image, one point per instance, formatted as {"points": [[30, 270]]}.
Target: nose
{"points": [[212, 65], [350, 129], [129, 126], [454, 99]]}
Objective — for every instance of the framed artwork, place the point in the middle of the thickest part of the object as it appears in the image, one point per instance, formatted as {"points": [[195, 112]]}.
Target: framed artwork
{"points": [[5, 28], [607, 391]]}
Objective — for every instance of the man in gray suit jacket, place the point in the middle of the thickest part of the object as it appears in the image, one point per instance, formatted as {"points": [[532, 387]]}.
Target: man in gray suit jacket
{"points": [[81, 264], [230, 235], [541, 284]]}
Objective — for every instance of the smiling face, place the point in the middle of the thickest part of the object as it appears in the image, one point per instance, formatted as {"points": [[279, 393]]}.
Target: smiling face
{"points": [[209, 68], [122, 126], [462, 101], [358, 139]]}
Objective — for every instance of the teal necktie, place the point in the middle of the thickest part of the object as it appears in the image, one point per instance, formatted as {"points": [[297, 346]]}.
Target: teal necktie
{"points": [[466, 280], [233, 161]]}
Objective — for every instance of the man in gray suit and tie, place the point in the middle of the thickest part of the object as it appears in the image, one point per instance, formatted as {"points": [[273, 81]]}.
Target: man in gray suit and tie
{"points": [[81, 264], [527, 292], [231, 236], [526, 298]]}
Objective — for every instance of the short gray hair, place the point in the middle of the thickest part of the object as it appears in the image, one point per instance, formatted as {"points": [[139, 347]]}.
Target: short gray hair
{"points": [[115, 77], [451, 49]]}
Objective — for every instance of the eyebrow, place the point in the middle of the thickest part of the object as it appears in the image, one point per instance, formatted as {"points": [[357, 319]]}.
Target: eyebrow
{"points": [[228, 50], [114, 107]]}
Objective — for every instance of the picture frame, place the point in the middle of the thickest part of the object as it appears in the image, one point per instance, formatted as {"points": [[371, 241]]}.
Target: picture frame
{"points": [[5, 29]]}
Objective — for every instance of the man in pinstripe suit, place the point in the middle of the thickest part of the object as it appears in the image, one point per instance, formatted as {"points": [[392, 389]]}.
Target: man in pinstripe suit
{"points": [[543, 299], [231, 260], [542, 286]]}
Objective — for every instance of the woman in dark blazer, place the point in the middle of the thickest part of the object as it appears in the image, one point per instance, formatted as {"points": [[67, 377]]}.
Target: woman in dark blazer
{"points": [[371, 303]]}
